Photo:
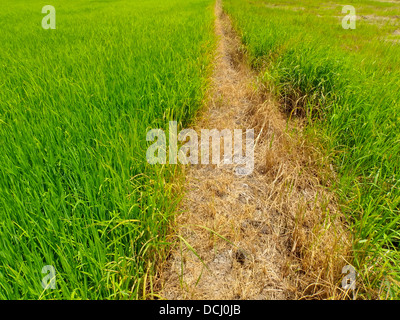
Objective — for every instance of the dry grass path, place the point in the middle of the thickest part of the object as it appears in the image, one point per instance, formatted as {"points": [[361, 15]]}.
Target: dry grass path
{"points": [[287, 239]]}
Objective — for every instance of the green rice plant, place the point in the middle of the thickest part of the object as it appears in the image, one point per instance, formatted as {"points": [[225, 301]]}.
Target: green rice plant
{"points": [[76, 103]]}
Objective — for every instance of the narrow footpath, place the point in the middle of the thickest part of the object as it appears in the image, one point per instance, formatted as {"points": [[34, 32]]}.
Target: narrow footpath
{"points": [[274, 234]]}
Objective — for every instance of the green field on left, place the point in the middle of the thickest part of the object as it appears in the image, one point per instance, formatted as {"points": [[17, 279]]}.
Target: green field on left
{"points": [[77, 195]]}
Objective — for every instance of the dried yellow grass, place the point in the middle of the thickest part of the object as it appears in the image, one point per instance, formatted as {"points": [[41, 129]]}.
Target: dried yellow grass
{"points": [[275, 234]]}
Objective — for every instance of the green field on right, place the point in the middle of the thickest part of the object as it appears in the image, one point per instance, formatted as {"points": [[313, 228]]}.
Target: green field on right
{"points": [[344, 80]]}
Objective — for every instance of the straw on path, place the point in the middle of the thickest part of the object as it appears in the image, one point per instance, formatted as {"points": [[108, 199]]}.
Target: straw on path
{"points": [[274, 234]]}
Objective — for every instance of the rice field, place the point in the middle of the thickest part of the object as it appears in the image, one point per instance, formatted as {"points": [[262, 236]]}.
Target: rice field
{"points": [[77, 196], [76, 102], [345, 84]]}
